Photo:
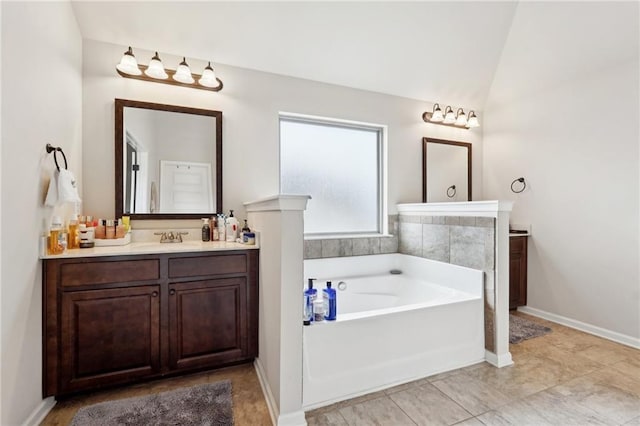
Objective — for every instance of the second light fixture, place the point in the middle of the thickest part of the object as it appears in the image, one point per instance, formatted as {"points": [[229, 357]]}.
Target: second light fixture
{"points": [[155, 71], [448, 118]]}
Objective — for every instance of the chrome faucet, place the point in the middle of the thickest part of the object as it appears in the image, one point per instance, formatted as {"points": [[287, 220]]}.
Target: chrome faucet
{"points": [[170, 236]]}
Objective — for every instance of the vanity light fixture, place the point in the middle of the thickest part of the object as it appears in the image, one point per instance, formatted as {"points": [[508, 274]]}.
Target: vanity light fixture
{"points": [[156, 72], [448, 118]]}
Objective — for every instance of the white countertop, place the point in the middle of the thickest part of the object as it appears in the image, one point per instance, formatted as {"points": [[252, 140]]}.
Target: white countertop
{"points": [[152, 248], [519, 234]]}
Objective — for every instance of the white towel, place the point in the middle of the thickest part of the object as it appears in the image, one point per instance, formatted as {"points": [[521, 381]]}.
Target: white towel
{"points": [[67, 190], [62, 189], [52, 192]]}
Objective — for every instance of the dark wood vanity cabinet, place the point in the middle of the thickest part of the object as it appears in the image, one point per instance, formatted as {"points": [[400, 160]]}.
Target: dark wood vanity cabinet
{"points": [[517, 271], [118, 319]]}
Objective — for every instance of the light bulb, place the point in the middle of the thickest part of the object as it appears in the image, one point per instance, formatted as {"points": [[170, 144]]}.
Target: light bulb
{"points": [[156, 69], [208, 78], [183, 73], [128, 63]]}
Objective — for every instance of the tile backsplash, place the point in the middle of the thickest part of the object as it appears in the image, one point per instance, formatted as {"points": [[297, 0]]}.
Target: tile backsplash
{"points": [[356, 246], [460, 240]]}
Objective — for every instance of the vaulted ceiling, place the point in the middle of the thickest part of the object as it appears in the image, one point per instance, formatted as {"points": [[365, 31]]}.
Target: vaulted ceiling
{"points": [[445, 51]]}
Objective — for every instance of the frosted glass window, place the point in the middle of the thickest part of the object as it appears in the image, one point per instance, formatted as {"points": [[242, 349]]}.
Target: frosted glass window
{"points": [[340, 166]]}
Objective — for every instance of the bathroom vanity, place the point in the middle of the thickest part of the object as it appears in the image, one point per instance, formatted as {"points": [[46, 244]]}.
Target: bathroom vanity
{"points": [[120, 315], [517, 270]]}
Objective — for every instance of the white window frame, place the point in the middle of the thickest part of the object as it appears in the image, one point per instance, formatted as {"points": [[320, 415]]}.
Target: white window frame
{"points": [[382, 165]]}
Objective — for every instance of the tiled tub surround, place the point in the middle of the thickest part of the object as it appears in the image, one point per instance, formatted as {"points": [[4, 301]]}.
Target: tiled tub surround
{"points": [[356, 246], [460, 240]]}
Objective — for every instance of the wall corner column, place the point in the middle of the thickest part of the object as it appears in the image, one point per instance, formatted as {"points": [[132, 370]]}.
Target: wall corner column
{"points": [[279, 221]]}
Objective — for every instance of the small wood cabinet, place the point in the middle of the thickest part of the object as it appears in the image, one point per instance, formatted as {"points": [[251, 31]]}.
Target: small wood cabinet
{"points": [[517, 271], [118, 319]]}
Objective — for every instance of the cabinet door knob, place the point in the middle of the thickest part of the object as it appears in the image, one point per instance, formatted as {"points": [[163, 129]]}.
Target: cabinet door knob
{"points": [[172, 292], [154, 294]]}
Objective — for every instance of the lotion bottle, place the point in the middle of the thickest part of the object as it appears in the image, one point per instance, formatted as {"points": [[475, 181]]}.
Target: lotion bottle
{"points": [[232, 227]]}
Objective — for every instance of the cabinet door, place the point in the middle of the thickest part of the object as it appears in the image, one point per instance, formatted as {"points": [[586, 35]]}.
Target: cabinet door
{"points": [[207, 323], [109, 336], [517, 272]]}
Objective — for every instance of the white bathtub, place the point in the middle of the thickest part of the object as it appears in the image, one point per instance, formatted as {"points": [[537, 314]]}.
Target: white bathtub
{"points": [[390, 329]]}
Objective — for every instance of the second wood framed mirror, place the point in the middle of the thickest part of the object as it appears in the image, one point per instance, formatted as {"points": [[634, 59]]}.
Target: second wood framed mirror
{"points": [[446, 171]]}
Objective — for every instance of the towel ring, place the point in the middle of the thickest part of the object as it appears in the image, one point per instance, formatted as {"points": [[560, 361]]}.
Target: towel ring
{"points": [[521, 180], [451, 191], [55, 150]]}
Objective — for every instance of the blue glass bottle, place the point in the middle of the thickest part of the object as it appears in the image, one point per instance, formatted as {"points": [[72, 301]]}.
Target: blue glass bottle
{"points": [[330, 302]]}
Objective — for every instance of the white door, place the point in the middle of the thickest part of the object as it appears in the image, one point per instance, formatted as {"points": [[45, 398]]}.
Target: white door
{"points": [[185, 187]]}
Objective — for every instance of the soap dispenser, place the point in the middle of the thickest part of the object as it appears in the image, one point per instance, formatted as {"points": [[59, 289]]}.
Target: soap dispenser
{"points": [[206, 229]]}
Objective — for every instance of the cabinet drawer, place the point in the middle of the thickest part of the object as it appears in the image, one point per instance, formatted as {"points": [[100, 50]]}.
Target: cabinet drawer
{"points": [[207, 265], [75, 274]]}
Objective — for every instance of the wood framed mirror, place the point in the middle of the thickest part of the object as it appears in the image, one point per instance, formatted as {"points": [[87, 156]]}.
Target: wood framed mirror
{"points": [[168, 161], [446, 171]]}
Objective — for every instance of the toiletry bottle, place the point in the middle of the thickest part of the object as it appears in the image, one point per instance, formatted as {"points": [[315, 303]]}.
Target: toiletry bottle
{"points": [[206, 229], [318, 310], [121, 230], [100, 233], [110, 229], [73, 238], [329, 296], [310, 295], [126, 221], [232, 227], [222, 227], [55, 232], [212, 227], [245, 230], [215, 235]]}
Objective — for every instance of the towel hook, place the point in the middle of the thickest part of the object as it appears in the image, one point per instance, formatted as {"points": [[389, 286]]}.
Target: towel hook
{"points": [[521, 180], [55, 150], [451, 191]]}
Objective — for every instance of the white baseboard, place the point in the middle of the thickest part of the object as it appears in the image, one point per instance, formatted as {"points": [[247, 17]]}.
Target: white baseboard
{"points": [[289, 419], [266, 390], [37, 416], [292, 419], [582, 326], [502, 360]]}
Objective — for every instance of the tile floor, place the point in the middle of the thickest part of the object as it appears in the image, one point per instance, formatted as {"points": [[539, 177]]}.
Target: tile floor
{"points": [[564, 378]]}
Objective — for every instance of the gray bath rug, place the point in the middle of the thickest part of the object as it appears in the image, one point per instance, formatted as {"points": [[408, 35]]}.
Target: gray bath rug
{"points": [[522, 329], [208, 404]]}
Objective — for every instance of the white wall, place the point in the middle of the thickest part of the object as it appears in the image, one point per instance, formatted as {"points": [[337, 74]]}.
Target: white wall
{"points": [[37, 107], [563, 113], [250, 102]]}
